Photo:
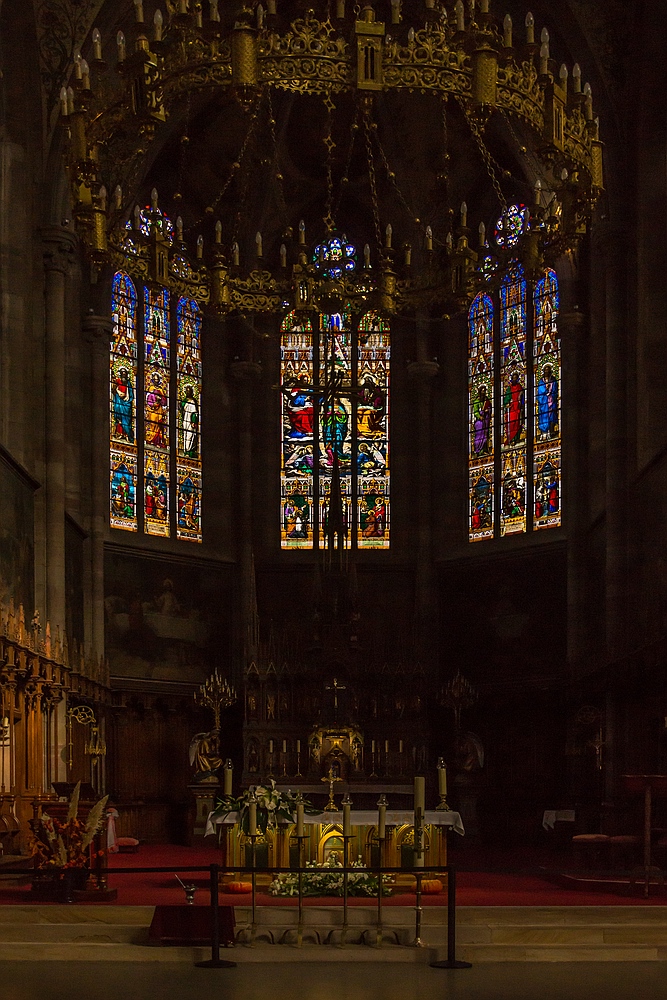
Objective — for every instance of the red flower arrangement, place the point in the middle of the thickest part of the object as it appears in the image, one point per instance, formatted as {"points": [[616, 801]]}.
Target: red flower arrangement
{"points": [[58, 845]]}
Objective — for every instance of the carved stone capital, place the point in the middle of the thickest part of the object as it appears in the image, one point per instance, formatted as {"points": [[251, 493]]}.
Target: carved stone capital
{"points": [[571, 322], [59, 246], [423, 371], [98, 329], [246, 371]]}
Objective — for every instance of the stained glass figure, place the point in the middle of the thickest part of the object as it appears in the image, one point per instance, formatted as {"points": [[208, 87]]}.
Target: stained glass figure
{"points": [[335, 445], [513, 400], [547, 395], [372, 458], [188, 446], [156, 411], [154, 220], [481, 423], [297, 432], [122, 404]]}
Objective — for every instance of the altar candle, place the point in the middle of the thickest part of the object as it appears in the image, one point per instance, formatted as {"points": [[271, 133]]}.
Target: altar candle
{"points": [[270, 746], [386, 746], [299, 819], [372, 746], [400, 746], [382, 821], [298, 746], [252, 819], [284, 746], [420, 795], [227, 778], [442, 779], [347, 820]]}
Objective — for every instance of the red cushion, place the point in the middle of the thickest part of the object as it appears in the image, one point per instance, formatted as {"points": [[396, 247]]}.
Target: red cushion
{"points": [[127, 841]]}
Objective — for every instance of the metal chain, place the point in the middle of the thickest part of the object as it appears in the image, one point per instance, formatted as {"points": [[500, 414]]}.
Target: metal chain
{"points": [[391, 177], [277, 173], [368, 129], [345, 176], [236, 166], [329, 145], [485, 154]]}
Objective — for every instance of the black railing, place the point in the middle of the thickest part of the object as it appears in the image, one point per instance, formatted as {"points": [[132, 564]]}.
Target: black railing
{"points": [[215, 871]]}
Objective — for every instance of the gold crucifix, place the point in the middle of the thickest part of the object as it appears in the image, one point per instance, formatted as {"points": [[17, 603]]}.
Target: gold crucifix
{"points": [[332, 778]]}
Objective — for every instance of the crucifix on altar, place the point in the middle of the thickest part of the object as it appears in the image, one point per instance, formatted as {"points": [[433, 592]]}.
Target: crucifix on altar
{"points": [[335, 686]]}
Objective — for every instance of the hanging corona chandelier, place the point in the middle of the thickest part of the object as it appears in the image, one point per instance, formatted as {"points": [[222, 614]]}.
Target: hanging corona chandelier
{"points": [[459, 53]]}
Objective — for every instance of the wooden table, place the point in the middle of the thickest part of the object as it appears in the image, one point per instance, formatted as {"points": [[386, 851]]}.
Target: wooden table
{"points": [[650, 786]]}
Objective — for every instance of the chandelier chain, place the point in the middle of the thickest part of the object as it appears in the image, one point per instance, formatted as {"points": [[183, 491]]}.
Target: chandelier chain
{"points": [[485, 154], [368, 129], [348, 161], [329, 145], [277, 173]]}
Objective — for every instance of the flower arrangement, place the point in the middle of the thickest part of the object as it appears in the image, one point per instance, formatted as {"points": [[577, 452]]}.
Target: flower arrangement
{"points": [[272, 806], [56, 845], [326, 879]]}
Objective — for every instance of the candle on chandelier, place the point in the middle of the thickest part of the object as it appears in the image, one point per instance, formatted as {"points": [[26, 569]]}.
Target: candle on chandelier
{"points": [[367, 255], [157, 26], [576, 78], [139, 11], [464, 215], [507, 32], [97, 45], [215, 13], [395, 11], [386, 746], [372, 746], [284, 746], [429, 238], [400, 746], [298, 746], [120, 42], [258, 243], [530, 29], [340, 9], [63, 100], [271, 7], [85, 75], [270, 746], [283, 255]]}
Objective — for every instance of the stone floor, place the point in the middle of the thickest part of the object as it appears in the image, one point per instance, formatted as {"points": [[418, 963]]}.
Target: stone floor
{"points": [[508, 981]]}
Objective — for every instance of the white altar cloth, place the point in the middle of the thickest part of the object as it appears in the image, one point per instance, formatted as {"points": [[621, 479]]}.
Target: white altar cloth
{"points": [[363, 817]]}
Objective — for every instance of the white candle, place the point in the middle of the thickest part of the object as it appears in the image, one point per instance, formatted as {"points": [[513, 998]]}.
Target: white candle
{"points": [[400, 746], [382, 821], [386, 746], [373, 746], [284, 746], [299, 819], [347, 820], [227, 778], [420, 795], [252, 819], [270, 746], [442, 780], [298, 746]]}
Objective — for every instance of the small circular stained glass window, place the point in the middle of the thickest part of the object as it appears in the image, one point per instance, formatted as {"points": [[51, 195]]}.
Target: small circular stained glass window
{"points": [[335, 257], [510, 225]]}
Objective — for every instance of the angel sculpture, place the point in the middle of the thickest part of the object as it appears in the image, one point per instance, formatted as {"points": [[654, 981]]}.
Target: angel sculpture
{"points": [[205, 755]]}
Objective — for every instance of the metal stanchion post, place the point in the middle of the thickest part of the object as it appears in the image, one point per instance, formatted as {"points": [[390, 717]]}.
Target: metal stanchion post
{"points": [[253, 854], [215, 962], [346, 861], [451, 961], [378, 936], [299, 932]]}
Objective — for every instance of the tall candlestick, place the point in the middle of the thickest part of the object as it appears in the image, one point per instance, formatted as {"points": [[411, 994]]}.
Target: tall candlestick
{"points": [[382, 817], [347, 818], [420, 795], [299, 819]]}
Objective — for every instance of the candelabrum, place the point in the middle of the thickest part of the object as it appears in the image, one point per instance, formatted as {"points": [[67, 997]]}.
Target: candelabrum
{"points": [[215, 693]]}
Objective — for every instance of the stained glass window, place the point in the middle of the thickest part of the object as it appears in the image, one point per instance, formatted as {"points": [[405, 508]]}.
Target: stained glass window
{"points": [[480, 410], [513, 401], [156, 411], [547, 396], [122, 404], [335, 445], [297, 437], [373, 433], [188, 447], [335, 429], [514, 417]]}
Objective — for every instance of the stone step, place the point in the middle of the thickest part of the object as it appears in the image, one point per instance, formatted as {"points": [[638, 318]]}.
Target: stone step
{"points": [[560, 953], [97, 933]]}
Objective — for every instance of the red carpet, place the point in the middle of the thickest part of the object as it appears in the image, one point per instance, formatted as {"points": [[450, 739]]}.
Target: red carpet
{"points": [[474, 888]]}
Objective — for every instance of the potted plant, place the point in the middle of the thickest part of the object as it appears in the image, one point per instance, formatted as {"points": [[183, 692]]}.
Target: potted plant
{"points": [[62, 850], [272, 804]]}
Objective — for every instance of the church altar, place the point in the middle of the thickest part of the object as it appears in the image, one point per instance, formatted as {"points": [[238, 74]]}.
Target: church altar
{"points": [[324, 834]]}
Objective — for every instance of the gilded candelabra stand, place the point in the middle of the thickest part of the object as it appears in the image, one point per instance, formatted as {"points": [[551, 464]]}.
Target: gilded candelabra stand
{"points": [[215, 693]]}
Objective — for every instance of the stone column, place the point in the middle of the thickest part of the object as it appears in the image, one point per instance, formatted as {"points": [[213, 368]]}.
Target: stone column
{"points": [[59, 245], [97, 330], [246, 373], [612, 242], [422, 372], [572, 326]]}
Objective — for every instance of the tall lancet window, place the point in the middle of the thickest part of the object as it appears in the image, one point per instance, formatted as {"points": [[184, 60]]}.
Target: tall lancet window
{"points": [[514, 393], [123, 411], [155, 409], [335, 431]]}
